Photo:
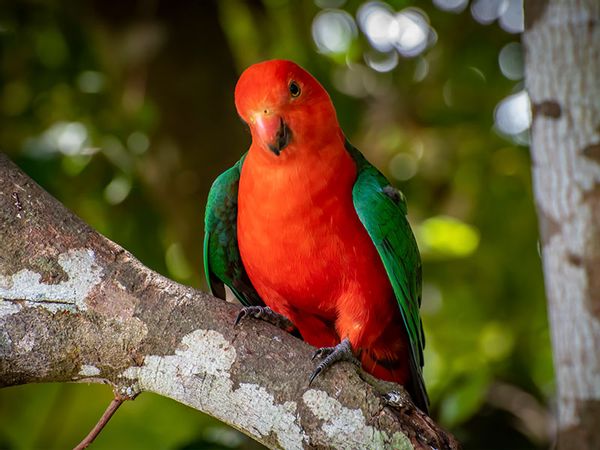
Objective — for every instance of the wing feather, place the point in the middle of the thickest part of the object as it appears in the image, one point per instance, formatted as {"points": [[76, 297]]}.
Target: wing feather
{"points": [[382, 210], [222, 261]]}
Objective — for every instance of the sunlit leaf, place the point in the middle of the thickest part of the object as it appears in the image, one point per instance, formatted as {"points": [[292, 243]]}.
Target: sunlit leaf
{"points": [[446, 237]]}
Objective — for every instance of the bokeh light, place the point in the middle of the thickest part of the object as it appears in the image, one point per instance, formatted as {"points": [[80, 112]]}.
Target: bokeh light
{"points": [[447, 237], [508, 12], [403, 166], [421, 69], [176, 262], [411, 33], [496, 341], [138, 142], [90, 81], [68, 138], [355, 80], [512, 19], [487, 11], [376, 20], [333, 31], [117, 190], [513, 114], [407, 31], [510, 60], [381, 62], [455, 6]]}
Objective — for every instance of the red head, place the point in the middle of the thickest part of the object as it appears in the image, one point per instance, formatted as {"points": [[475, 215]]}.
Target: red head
{"points": [[285, 106]]}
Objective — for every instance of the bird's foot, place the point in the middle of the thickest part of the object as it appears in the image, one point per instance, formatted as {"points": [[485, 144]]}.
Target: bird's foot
{"points": [[268, 315], [332, 355]]}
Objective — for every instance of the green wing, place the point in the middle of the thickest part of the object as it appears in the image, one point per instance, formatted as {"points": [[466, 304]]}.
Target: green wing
{"points": [[222, 260], [382, 210]]}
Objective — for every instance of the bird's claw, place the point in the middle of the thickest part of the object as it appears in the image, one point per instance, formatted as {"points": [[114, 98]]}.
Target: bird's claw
{"points": [[332, 355], [315, 373], [322, 352], [249, 311], [268, 315]]}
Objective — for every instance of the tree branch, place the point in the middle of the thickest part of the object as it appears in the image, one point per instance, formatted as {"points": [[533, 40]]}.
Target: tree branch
{"points": [[74, 306], [93, 434]]}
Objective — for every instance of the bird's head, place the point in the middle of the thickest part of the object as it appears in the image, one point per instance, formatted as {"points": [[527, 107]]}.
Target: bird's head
{"points": [[285, 107]]}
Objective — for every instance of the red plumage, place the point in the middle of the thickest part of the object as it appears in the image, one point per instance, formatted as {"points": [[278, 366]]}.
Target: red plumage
{"points": [[300, 239]]}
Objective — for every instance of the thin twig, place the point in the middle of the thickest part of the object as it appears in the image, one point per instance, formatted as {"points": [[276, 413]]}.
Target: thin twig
{"points": [[114, 405]]}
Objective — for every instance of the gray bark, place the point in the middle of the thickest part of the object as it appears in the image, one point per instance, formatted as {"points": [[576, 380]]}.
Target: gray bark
{"points": [[74, 306], [562, 44]]}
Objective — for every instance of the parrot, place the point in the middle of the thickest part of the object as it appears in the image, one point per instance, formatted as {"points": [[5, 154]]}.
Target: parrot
{"points": [[309, 236]]}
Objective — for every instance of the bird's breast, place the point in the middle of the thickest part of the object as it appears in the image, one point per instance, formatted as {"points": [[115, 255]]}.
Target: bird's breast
{"points": [[290, 240], [299, 236]]}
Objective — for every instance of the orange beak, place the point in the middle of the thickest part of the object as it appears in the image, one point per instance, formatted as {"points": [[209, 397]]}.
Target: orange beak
{"points": [[272, 130]]}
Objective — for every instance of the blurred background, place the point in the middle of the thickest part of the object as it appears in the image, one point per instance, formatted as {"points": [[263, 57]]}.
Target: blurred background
{"points": [[124, 111]]}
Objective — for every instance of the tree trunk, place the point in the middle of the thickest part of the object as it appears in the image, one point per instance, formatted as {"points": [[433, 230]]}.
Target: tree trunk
{"points": [[562, 48], [76, 307]]}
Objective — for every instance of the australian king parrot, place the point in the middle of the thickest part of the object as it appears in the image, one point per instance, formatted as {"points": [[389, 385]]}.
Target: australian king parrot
{"points": [[307, 233]]}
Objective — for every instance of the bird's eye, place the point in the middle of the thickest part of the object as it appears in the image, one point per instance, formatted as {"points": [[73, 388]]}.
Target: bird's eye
{"points": [[294, 89]]}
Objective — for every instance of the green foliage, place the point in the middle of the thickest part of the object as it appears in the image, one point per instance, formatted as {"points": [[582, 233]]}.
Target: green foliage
{"points": [[124, 112]]}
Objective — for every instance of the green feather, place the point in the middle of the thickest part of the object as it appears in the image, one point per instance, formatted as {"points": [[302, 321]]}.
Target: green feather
{"points": [[222, 261], [382, 210]]}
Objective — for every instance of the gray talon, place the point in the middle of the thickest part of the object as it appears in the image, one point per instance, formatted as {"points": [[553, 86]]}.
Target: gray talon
{"points": [[332, 355], [268, 315], [322, 352], [258, 312]]}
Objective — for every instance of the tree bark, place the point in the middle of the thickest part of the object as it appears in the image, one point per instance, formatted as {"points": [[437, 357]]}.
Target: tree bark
{"points": [[562, 48], [74, 306]]}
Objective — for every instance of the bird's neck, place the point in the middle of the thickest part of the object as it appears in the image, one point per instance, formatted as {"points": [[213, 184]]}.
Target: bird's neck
{"points": [[301, 170]]}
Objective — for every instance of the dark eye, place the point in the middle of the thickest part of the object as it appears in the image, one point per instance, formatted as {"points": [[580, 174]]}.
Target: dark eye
{"points": [[294, 89]]}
